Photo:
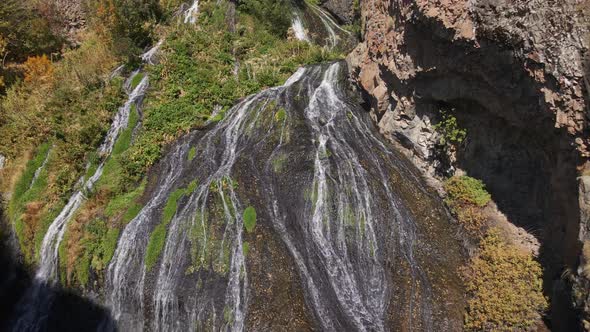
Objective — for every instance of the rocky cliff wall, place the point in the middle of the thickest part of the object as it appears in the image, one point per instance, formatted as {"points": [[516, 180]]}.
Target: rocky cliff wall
{"points": [[512, 73], [345, 11]]}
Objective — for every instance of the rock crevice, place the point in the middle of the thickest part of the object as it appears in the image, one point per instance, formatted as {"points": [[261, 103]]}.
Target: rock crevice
{"points": [[513, 74]]}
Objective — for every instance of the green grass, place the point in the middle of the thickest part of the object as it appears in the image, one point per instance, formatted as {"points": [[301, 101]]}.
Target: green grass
{"points": [[113, 178], [45, 222], [124, 202], [23, 185], [196, 75], [136, 80], [249, 217]]}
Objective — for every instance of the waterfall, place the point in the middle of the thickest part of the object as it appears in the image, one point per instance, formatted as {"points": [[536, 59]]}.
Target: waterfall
{"points": [[352, 220], [306, 157], [329, 22], [127, 273], [38, 299], [298, 29], [190, 16], [38, 170]]}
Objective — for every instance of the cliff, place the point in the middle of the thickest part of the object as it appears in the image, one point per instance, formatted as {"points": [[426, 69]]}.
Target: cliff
{"points": [[512, 73]]}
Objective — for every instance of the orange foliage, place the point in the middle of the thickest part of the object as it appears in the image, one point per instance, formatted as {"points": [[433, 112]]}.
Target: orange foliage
{"points": [[30, 219], [38, 69], [76, 232], [106, 15]]}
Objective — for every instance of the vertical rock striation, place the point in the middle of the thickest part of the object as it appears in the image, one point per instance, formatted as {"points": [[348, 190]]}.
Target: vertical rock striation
{"points": [[513, 72]]}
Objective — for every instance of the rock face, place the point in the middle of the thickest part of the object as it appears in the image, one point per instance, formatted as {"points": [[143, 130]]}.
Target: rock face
{"points": [[512, 73], [344, 10], [71, 17]]}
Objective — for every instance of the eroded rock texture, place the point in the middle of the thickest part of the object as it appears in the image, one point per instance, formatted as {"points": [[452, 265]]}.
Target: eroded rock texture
{"points": [[513, 72], [344, 10]]}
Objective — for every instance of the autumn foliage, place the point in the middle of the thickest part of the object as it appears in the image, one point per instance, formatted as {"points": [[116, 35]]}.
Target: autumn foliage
{"points": [[38, 69], [505, 287]]}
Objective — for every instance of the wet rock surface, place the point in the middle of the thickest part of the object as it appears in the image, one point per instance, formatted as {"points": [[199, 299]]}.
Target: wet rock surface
{"points": [[344, 10], [346, 235]]}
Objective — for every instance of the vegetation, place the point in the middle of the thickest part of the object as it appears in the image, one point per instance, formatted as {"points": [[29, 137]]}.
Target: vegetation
{"points": [[64, 97], [452, 133], [466, 197], [25, 31], [193, 80], [158, 236], [249, 217], [505, 286], [67, 99], [504, 283], [467, 190], [192, 153]]}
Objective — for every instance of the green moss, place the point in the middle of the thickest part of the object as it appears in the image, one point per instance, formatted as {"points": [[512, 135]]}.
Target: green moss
{"points": [[192, 153], [249, 217], [280, 115], [158, 237], [228, 315], [245, 248], [278, 163]]}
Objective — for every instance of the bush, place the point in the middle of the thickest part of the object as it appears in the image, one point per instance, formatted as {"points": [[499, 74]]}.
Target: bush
{"points": [[467, 190], [505, 288], [466, 198], [452, 133]]}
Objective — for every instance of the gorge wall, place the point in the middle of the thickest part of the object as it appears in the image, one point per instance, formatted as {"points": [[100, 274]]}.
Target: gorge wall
{"points": [[512, 73]]}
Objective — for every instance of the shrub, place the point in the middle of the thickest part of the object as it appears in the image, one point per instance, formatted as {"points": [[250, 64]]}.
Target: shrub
{"points": [[452, 133], [467, 190], [466, 198], [38, 69], [505, 288]]}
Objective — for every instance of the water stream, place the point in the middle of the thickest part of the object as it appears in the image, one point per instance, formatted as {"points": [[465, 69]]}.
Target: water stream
{"points": [[305, 157]]}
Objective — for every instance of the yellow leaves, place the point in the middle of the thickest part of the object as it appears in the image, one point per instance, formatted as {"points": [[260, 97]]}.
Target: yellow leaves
{"points": [[38, 69], [505, 286]]}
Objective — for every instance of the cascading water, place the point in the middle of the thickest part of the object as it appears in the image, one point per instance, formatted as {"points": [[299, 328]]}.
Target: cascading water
{"points": [[298, 29], [190, 16], [339, 216], [37, 301], [127, 274], [38, 170], [35, 305], [349, 213], [333, 30]]}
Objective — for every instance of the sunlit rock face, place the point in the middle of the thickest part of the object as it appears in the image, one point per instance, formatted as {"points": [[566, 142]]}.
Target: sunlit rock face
{"points": [[513, 74]]}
